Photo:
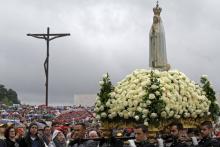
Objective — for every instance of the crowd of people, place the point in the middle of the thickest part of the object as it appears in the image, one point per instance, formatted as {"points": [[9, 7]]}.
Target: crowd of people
{"points": [[29, 132], [80, 135], [30, 113]]}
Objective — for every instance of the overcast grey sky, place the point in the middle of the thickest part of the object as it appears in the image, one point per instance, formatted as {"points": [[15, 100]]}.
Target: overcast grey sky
{"points": [[106, 36]]}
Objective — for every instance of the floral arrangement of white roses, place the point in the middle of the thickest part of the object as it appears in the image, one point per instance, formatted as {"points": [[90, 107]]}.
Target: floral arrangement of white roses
{"points": [[152, 96]]}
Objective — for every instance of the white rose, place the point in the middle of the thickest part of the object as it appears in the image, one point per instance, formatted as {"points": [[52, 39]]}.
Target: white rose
{"points": [[154, 86], [167, 109], [101, 108], [163, 114], [136, 81], [198, 111], [144, 105], [157, 93], [98, 117], [201, 115], [133, 86], [163, 89], [148, 102], [151, 96], [139, 109], [101, 83], [105, 76], [110, 116], [136, 117], [177, 116], [108, 104], [130, 104], [181, 111], [111, 106], [125, 103], [126, 115], [120, 114], [156, 72], [143, 84], [171, 113], [96, 109], [148, 82], [144, 116], [141, 94], [112, 94], [103, 115], [119, 91], [114, 114], [135, 72], [153, 115], [145, 111], [110, 110], [141, 105], [135, 103], [205, 76], [97, 98], [98, 103], [113, 101], [130, 113], [186, 115], [146, 123], [194, 115]]}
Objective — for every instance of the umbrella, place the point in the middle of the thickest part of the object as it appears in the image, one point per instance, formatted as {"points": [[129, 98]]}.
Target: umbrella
{"points": [[5, 113], [40, 125], [8, 121]]}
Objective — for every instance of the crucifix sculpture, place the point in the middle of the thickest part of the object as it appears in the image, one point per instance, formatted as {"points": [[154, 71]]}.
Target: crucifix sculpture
{"points": [[48, 37]]}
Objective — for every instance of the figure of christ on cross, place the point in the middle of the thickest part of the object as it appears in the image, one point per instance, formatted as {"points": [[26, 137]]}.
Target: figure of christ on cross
{"points": [[48, 37]]}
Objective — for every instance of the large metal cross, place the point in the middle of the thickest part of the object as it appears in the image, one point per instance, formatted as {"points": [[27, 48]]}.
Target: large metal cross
{"points": [[48, 37]]}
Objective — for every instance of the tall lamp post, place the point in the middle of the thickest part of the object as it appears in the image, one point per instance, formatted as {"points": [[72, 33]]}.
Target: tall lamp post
{"points": [[48, 37]]}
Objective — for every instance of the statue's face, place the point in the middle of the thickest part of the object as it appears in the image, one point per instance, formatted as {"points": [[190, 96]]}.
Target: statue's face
{"points": [[155, 19]]}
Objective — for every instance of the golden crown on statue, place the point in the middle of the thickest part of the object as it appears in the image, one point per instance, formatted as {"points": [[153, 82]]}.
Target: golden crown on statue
{"points": [[157, 10]]}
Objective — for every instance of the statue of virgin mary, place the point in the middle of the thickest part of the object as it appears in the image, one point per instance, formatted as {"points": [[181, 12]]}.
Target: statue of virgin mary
{"points": [[157, 43]]}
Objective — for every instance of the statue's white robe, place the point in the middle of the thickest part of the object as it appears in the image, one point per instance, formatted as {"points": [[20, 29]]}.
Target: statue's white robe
{"points": [[157, 47]]}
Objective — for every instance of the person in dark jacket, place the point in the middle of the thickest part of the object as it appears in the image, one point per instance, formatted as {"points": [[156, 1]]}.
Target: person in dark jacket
{"points": [[10, 137], [106, 142], [106, 139], [206, 133], [47, 135], [32, 139], [176, 129], [140, 132], [79, 136]]}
